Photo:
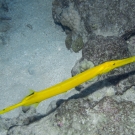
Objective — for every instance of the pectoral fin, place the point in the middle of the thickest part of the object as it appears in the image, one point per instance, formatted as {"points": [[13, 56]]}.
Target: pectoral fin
{"points": [[31, 92], [36, 104]]}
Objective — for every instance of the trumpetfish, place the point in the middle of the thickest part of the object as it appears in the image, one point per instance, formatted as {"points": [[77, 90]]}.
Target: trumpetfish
{"points": [[35, 97]]}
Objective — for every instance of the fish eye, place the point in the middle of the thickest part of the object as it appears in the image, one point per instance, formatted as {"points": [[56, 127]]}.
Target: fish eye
{"points": [[113, 63]]}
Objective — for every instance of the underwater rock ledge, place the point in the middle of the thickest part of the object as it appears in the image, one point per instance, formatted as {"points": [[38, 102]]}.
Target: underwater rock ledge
{"points": [[110, 115], [88, 17]]}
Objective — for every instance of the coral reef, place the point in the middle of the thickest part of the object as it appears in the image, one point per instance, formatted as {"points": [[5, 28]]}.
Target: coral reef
{"points": [[99, 29], [80, 66], [100, 26], [99, 49], [110, 115], [107, 30], [84, 17]]}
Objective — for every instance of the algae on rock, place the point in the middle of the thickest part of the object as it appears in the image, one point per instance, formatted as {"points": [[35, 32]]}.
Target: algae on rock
{"points": [[68, 41], [77, 44]]}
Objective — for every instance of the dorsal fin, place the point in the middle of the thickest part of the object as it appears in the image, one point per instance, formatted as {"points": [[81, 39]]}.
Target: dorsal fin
{"points": [[31, 93]]}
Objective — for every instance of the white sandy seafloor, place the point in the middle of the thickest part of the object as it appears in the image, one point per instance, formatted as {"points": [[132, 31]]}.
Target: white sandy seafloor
{"points": [[35, 56]]}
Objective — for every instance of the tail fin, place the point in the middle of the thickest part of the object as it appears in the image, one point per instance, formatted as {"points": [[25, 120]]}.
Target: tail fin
{"points": [[11, 108]]}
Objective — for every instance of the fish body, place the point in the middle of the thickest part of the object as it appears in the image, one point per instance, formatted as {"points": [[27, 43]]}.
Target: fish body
{"points": [[37, 96]]}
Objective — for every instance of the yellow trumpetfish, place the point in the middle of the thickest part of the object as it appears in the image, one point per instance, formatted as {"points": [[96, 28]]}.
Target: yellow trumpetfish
{"points": [[37, 96]]}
